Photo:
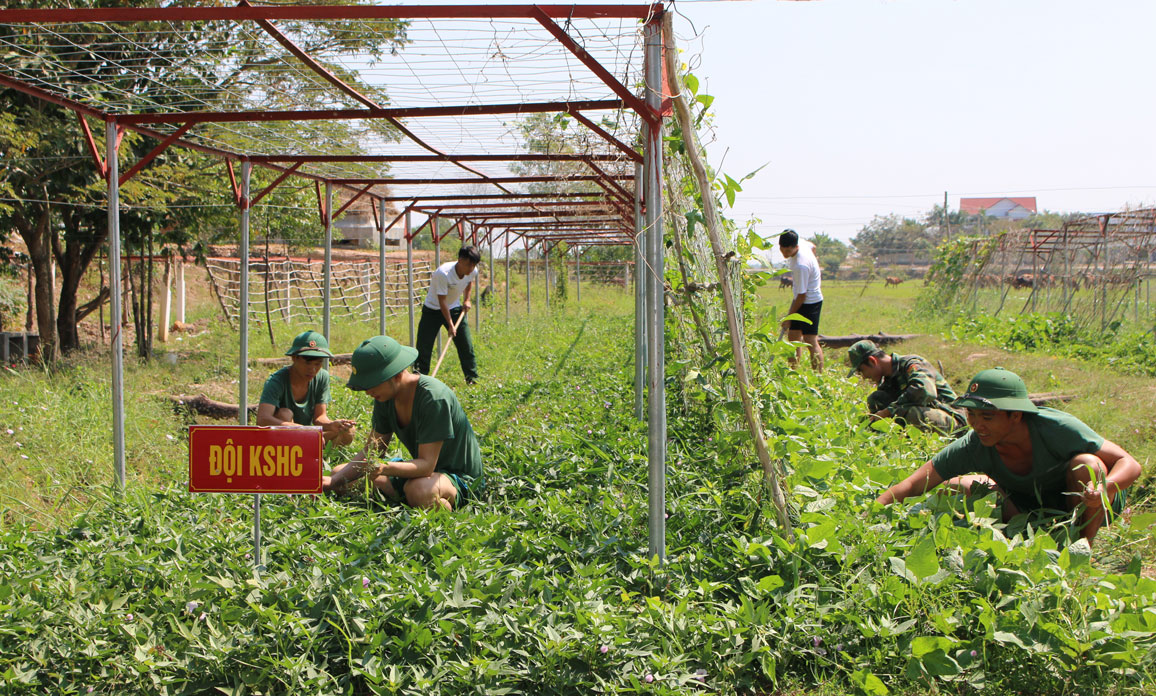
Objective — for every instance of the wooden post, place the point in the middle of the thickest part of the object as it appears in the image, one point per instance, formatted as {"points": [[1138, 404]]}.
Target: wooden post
{"points": [[682, 112], [217, 294], [180, 271], [166, 301]]}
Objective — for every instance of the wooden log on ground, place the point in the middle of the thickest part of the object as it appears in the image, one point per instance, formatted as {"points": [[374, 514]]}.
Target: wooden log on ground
{"points": [[881, 339], [337, 359], [1045, 398], [205, 406]]}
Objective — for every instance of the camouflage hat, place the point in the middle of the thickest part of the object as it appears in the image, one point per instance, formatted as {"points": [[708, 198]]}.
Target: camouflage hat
{"points": [[310, 344], [859, 352], [997, 389]]}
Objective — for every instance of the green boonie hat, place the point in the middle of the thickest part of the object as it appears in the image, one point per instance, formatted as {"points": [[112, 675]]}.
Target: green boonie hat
{"points": [[310, 345], [376, 360], [994, 389], [858, 352]]}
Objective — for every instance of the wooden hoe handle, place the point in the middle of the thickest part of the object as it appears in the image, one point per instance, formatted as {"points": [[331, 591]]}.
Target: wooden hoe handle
{"points": [[446, 347]]}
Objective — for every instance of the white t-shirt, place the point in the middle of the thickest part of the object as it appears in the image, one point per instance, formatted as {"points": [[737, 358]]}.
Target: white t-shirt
{"points": [[445, 281], [806, 274]]}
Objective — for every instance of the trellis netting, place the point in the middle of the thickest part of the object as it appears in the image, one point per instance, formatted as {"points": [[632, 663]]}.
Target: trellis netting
{"points": [[293, 289]]}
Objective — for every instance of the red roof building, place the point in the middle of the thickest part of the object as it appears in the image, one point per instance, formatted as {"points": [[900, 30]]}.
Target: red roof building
{"points": [[1003, 208]]}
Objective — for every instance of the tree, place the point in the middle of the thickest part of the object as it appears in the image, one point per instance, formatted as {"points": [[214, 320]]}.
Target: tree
{"points": [[59, 209], [891, 234], [831, 253]]}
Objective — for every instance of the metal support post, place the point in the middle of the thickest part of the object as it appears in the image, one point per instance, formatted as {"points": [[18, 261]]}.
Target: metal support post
{"points": [[436, 266], [639, 299], [477, 284], [526, 244], [409, 274], [381, 268], [243, 378], [546, 258], [243, 367], [328, 258], [656, 388], [507, 276], [115, 310], [490, 270], [578, 274]]}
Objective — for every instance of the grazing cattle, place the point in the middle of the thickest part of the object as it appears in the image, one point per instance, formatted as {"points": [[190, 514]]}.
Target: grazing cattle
{"points": [[892, 280], [785, 281], [1023, 280]]}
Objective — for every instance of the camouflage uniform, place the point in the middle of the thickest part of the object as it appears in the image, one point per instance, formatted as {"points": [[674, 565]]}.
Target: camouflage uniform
{"points": [[918, 395]]}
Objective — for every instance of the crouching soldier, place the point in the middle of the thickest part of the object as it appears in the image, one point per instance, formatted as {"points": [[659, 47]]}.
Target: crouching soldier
{"points": [[909, 389], [445, 465], [1038, 460]]}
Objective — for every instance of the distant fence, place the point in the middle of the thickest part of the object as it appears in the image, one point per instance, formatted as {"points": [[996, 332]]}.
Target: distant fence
{"points": [[618, 273], [293, 289]]}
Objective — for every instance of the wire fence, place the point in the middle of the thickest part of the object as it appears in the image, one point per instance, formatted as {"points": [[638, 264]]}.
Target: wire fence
{"points": [[293, 289]]}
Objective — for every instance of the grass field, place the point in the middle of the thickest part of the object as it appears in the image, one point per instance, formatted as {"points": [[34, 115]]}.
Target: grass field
{"points": [[545, 587]]}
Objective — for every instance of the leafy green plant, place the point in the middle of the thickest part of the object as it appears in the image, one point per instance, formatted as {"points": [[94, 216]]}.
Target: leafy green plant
{"points": [[1131, 352]]}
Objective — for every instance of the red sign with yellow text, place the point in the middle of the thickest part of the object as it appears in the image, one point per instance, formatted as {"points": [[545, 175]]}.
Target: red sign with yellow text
{"points": [[254, 459]]}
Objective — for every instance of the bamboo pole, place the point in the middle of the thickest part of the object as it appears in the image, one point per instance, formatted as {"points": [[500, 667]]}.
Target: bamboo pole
{"points": [[217, 294], [682, 113]]}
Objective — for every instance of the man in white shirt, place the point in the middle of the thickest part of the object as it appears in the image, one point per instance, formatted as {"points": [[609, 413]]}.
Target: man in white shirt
{"points": [[806, 278], [442, 308]]}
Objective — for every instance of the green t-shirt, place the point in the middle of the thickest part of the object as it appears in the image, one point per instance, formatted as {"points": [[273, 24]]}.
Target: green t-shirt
{"points": [[1056, 438], [437, 417], [278, 392]]}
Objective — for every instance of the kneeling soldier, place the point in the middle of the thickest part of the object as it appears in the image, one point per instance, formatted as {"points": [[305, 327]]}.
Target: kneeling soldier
{"points": [[910, 389], [446, 466]]}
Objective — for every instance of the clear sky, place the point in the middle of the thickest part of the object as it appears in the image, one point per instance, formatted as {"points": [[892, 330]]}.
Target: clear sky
{"points": [[864, 107]]}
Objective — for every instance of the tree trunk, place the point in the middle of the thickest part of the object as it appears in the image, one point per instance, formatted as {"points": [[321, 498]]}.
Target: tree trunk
{"points": [[35, 235], [74, 257]]}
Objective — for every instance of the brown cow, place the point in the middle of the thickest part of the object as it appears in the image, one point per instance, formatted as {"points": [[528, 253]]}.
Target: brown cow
{"points": [[1023, 280], [785, 281], [892, 280]]}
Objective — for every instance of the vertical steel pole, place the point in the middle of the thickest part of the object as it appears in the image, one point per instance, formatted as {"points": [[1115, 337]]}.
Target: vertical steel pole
{"points": [[243, 379], [328, 257], [578, 271], [493, 280], [546, 285], [381, 268], [115, 310], [526, 245], [507, 276], [409, 273], [477, 284], [639, 298], [243, 367], [656, 388], [437, 264]]}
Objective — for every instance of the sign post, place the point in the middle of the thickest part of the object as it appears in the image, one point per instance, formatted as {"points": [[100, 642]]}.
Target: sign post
{"points": [[254, 459]]}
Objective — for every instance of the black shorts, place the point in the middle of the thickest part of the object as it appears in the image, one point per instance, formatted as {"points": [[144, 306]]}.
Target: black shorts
{"points": [[812, 312]]}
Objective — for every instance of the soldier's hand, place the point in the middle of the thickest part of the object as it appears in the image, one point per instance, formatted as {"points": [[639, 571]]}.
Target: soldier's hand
{"points": [[1093, 496]]}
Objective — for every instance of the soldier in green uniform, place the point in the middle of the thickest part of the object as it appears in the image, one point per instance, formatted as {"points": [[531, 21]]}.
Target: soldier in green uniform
{"points": [[445, 469], [910, 389], [1040, 461], [299, 394]]}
